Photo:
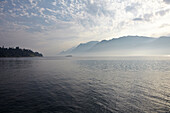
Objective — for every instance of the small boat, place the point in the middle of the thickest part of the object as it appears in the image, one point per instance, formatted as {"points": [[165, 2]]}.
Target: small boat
{"points": [[68, 56]]}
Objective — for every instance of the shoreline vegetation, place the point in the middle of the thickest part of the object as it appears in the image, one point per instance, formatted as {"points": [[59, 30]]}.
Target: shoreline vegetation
{"points": [[18, 52]]}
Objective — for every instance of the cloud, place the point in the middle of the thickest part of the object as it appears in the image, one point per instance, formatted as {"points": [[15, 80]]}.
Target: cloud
{"points": [[90, 14], [146, 17], [167, 1], [33, 3], [130, 8], [138, 19], [41, 11], [133, 8], [34, 14], [162, 12], [164, 25], [54, 3]]}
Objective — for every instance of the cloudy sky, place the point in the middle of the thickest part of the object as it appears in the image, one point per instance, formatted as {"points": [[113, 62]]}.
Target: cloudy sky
{"points": [[50, 26]]}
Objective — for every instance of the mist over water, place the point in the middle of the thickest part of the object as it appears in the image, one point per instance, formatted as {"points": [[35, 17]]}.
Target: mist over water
{"points": [[85, 84]]}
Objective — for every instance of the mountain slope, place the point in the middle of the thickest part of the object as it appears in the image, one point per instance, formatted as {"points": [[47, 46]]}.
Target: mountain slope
{"points": [[128, 42], [81, 48], [127, 45], [18, 52]]}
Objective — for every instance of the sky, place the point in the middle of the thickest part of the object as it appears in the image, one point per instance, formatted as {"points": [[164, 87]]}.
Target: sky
{"points": [[51, 26]]}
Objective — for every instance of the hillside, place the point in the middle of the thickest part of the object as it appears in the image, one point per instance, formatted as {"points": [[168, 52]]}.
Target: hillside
{"points": [[17, 52], [81, 48], [127, 45]]}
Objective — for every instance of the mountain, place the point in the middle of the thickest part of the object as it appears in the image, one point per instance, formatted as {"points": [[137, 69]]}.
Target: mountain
{"points": [[81, 48], [67, 51], [126, 45]]}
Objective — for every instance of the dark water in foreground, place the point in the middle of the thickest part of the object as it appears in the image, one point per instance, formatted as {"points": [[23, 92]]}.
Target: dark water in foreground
{"points": [[85, 85]]}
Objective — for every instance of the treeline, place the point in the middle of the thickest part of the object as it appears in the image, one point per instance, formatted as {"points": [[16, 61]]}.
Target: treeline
{"points": [[18, 52]]}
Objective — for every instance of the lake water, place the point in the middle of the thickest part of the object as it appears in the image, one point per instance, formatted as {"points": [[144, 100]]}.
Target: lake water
{"points": [[85, 84]]}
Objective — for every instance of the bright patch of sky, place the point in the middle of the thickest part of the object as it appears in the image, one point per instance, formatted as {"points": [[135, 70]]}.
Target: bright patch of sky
{"points": [[51, 26]]}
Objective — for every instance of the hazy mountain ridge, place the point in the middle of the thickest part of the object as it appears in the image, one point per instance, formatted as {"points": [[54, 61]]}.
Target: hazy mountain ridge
{"points": [[83, 47], [126, 45]]}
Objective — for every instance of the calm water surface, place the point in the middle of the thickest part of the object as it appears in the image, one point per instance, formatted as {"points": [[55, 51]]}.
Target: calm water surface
{"points": [[85, 84]]}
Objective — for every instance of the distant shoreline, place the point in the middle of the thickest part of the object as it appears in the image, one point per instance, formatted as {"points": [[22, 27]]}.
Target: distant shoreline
{"points": [[17, 52]]}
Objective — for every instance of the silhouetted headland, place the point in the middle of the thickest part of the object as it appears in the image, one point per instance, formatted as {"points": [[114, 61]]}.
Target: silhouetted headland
{"points": [[18, 52], [68, 56]]}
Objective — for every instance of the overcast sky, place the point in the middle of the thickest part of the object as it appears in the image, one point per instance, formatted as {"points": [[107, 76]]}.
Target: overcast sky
{"points": [[50, 26]]}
